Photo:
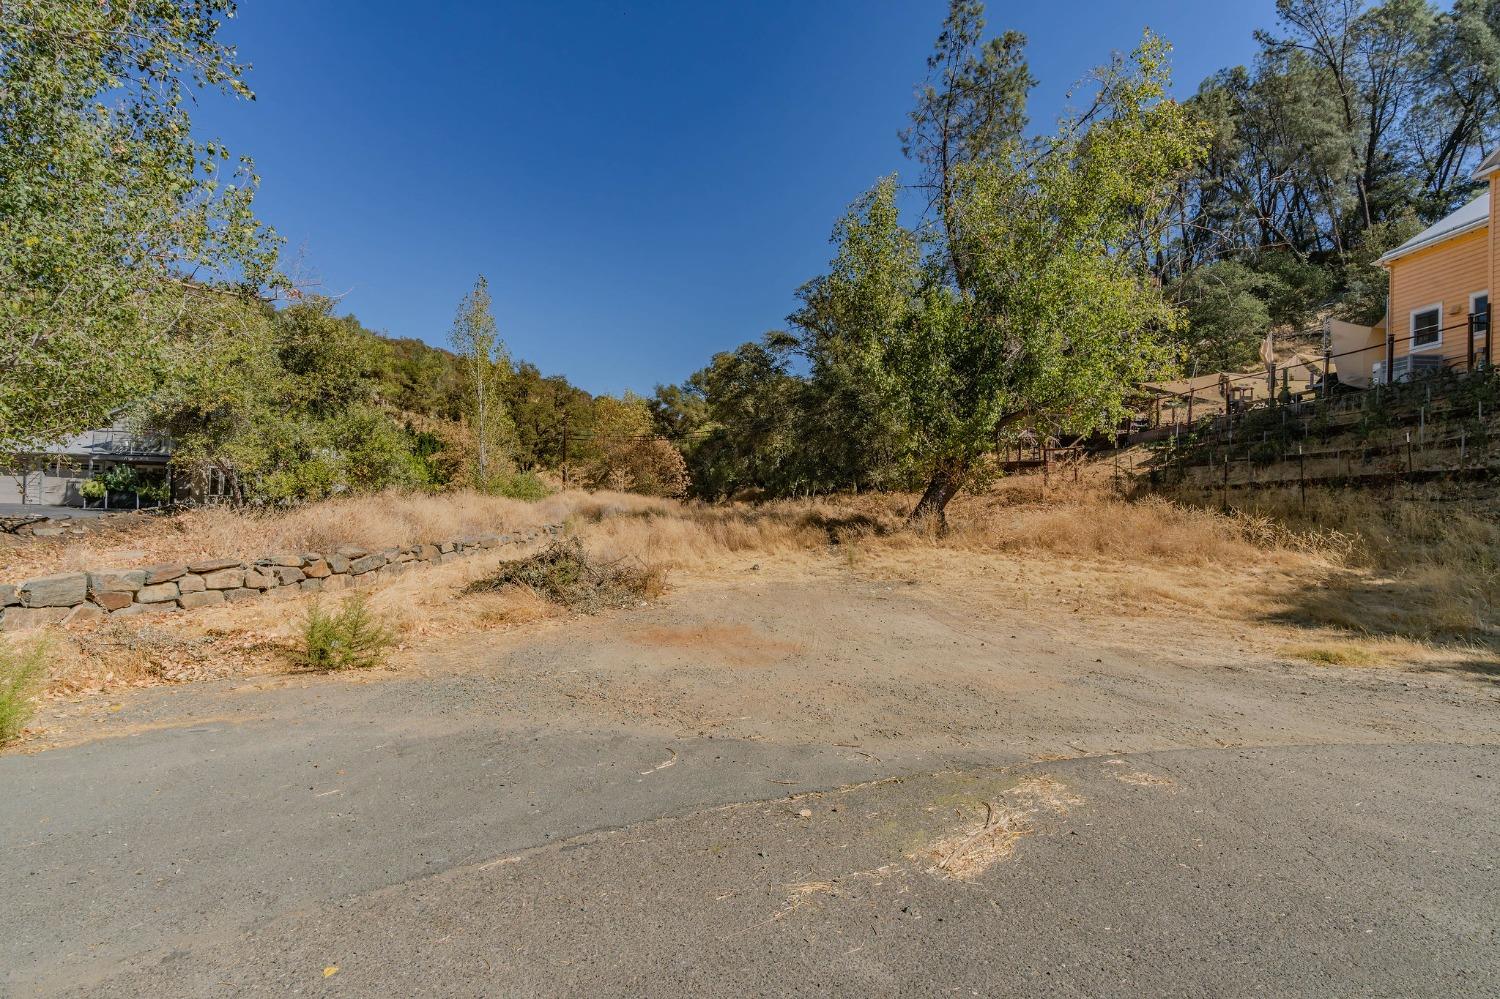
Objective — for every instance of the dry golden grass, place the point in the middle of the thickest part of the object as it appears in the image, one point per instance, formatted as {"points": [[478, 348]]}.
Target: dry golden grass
{"points": [[379, 521], [1333, 654], [1348, 561], [1417, 563], [1019, 515]]}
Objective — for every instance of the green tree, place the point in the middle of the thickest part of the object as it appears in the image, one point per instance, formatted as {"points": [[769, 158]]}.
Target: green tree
{"points": [[279, 407], [1355, 120], [752, 435], [420, 379], [112, 216], [1225, 313], [1027, 308], [486, 368], [552, 419], [971, 108]]}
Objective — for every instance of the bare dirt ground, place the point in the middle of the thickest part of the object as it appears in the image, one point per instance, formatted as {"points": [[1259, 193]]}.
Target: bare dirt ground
{"points": [[934, 650], [852, 769]]}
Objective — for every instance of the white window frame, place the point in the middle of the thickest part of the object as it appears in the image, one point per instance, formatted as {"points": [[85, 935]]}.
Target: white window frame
{"points": [[1474, 298], [1412, 346]]}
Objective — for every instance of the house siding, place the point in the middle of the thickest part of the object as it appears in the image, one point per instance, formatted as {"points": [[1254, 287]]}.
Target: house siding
{"points": [[1494, 258], [1445, 274]]}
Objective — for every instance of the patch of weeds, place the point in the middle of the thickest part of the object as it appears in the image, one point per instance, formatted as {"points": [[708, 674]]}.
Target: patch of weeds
{"points": [[352, 637], [566, 574], [1333, 655], [21, 670]]}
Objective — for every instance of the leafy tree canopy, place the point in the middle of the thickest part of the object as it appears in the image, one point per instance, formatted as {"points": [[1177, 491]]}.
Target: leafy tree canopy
{"points": [[112, 215]]}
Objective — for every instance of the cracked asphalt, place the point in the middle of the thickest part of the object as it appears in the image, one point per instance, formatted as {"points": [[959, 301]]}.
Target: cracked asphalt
{"points": [[611, 808]]}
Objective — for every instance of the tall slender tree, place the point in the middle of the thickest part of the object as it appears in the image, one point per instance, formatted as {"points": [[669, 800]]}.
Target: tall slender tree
{"points": [[476, 339]]}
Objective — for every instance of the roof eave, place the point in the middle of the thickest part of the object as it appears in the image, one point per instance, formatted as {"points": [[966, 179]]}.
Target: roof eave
{"points": [[1443, 237]]}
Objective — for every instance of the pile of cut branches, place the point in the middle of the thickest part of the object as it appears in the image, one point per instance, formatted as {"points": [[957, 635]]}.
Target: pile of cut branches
{"points": [[566, 574]]}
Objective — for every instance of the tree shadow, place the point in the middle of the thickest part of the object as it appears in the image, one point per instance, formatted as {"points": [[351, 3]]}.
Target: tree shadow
{"points": [[1440, 612]]}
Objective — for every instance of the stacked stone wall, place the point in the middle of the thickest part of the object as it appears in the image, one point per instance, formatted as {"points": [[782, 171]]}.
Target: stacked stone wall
{"points": [[178, 586]]}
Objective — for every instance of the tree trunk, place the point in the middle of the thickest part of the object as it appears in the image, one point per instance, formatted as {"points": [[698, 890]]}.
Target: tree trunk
{"points": [[945, 484]]}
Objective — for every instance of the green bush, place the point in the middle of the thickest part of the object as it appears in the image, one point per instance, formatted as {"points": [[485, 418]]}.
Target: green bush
{"points": [[21, 672], [521, 486], [1264, 453], [120, 479], [353, 637]]}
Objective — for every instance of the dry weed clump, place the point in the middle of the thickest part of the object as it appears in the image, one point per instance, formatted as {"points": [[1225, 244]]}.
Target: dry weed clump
{"points": [[566, 574], [967, 853], [1333, 654], [136, 653]]}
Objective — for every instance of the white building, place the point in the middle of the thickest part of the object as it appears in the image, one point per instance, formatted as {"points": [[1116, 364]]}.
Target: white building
{"points": [[54, 475]]}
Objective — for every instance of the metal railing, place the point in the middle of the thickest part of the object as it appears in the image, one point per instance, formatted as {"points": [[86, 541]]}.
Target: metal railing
{"points": [[122, 443]]}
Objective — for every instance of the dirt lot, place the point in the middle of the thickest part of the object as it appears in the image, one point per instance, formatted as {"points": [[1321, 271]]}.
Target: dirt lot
{"points": [[925, 649]]}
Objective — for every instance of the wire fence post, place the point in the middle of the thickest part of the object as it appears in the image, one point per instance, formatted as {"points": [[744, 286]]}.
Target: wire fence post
{"points": [[1472, 318], [1302, 474], [1226, 478]]}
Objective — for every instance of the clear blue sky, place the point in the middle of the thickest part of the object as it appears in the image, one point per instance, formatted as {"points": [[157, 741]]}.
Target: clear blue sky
{"points": [[643, 183]]}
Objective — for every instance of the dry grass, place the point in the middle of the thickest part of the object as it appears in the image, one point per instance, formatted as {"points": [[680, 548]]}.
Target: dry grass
{"points": [[975, 847], [1416, 564], [1333, 655], [1020, 516], [379, 521], [1423, 572]]}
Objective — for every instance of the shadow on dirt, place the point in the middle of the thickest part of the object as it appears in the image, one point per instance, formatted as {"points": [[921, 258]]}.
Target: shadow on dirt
{"points": [[1449, 619]]}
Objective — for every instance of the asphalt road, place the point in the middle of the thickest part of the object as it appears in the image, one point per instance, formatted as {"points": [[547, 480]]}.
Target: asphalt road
{"points": [[56, 512], [235, 859], [529, 822]]}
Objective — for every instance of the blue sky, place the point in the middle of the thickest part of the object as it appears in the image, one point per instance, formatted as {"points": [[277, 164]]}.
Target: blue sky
{"points": [[643, 183]]}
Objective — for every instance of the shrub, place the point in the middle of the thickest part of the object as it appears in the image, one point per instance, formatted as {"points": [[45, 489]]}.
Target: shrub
{"points": [[20, 673], [521, 486], [353, 637], [651, 466], [566, 574]]}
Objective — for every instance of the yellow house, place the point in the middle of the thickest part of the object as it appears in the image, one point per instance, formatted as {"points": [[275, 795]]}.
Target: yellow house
{"points": [[1438, 303]]}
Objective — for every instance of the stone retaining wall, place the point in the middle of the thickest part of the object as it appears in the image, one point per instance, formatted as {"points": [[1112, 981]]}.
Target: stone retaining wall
{"points": [[92, 596]]}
